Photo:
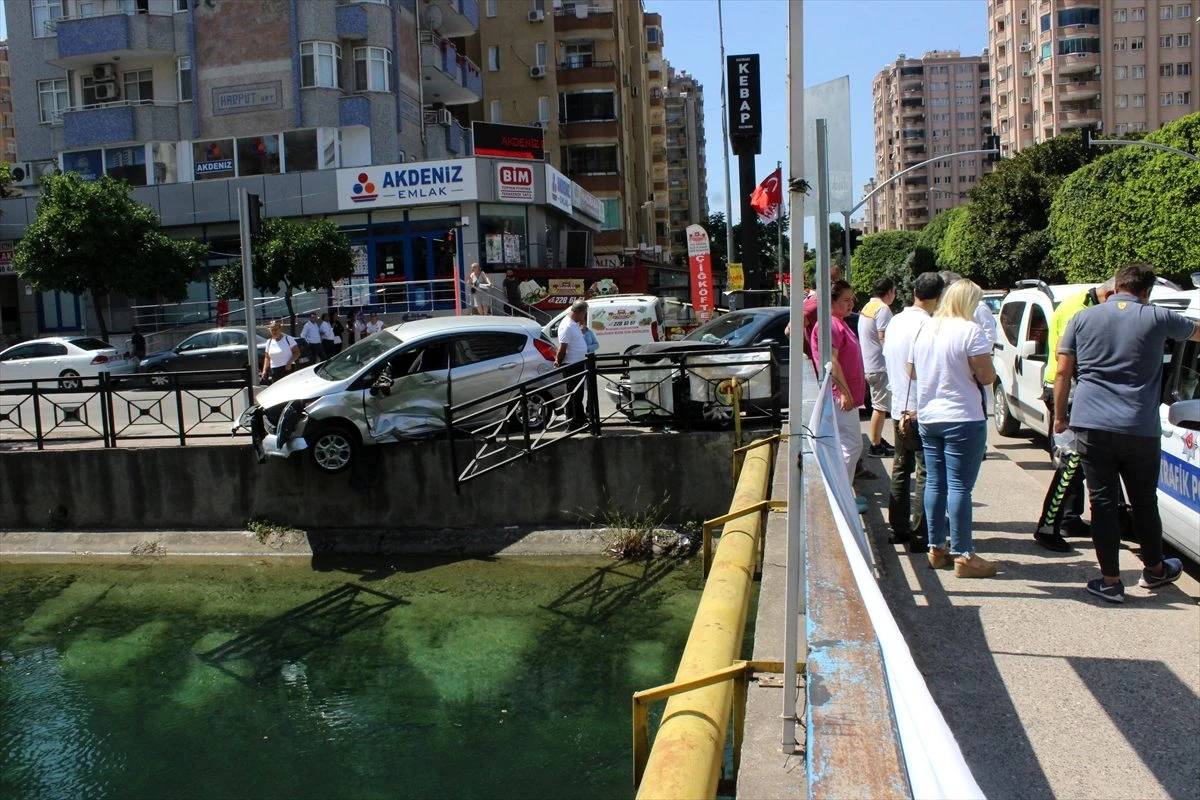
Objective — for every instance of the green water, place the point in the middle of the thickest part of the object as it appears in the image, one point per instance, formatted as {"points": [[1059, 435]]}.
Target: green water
{"points": [[467, 679]]}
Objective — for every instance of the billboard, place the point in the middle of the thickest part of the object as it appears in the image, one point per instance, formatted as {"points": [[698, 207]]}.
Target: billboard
{"points": [[745, 105], [509, 141], [413, 184], [700, 265]]}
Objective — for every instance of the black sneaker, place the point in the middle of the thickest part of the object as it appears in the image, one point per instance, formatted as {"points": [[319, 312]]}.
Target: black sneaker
{"points": [[1052, 541], [918, 544], [881, 450], [1113, 593], [899, 537], [1077, 528], [1172, 569]]}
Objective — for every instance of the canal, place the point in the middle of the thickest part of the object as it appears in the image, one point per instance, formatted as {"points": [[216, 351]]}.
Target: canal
{"points": [[477, 678]]}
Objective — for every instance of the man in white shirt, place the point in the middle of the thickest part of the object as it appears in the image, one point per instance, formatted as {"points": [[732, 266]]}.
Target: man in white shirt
{"points": [[375, 324], [572, 350], [311, 334], [908, 521], [327, 343], [872, 325]]}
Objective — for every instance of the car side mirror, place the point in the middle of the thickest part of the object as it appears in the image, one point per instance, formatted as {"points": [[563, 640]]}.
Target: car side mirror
{"points": [[1185, 413], [1026, 349], [382, 385]]}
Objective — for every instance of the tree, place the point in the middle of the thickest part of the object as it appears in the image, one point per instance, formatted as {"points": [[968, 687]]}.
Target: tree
{"points": [[880, 255], [6, 179], [293, 255], [933, 235], [958, 243], [768, 242], [1131, 204], [90, 236]]}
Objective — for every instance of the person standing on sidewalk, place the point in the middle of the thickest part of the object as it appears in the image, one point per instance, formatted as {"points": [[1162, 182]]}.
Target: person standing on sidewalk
{"points": [[872, 327], [311, 334], [950, 363], [1114, 350], [1062, 509], [849, 381], [572, 350], [907, 520]]}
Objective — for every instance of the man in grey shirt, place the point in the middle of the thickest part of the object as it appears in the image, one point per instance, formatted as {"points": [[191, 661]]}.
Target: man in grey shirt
{"points": [[1115, 351]]}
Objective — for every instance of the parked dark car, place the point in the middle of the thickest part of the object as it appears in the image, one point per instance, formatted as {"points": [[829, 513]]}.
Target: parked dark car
{"points": [[213, 349]]}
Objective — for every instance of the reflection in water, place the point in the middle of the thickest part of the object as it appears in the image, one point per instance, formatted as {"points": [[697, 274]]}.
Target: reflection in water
{"points": [[272, 679]]}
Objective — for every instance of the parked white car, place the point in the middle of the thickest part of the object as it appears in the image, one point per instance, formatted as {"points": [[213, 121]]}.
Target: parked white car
{"points": [[1179, 465], [620, 322], [67, 359]]}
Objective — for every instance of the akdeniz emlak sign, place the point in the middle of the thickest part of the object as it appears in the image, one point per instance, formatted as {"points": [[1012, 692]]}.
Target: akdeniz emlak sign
{"points": [[413, 184], [700, 264]]}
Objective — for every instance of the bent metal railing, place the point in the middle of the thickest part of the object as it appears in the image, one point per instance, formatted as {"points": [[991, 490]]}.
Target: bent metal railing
{"points": [[111, 409], [671, 390]]}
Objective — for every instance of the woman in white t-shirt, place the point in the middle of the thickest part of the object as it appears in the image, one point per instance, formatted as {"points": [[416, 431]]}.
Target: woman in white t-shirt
{"points": [[282, 353], [951, 360]]}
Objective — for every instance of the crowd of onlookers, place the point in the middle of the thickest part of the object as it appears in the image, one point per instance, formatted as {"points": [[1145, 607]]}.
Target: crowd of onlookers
{"points": [[929, 368]]}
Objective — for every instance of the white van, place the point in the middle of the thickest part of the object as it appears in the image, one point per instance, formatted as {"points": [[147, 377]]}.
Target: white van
{"points": [[619, 321]]}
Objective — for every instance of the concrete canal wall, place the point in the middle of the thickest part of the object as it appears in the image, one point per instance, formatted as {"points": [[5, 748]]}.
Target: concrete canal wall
{"points": [[582, 480]]}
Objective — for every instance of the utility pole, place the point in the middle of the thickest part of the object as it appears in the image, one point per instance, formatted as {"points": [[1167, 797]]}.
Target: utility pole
{"points": [[249, 219]]}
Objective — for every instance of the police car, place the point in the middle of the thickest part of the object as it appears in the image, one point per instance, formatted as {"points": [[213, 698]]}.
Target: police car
{"points": [[1179, 465]]}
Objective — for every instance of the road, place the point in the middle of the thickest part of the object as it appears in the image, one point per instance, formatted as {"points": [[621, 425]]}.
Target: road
{"points": [[1051, 692]]}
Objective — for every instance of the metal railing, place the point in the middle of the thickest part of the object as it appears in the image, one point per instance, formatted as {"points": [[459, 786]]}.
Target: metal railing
{"points": [[115, 409]]}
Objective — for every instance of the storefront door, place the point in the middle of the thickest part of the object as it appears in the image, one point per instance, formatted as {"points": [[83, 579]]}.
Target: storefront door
{"points": [[419, 258]]}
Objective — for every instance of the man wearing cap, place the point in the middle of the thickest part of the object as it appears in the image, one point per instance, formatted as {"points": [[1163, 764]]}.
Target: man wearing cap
{"points": [[572, 349]]}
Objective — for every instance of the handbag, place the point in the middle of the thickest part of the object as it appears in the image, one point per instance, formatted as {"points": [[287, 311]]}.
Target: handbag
{"points": [[908, 430]]}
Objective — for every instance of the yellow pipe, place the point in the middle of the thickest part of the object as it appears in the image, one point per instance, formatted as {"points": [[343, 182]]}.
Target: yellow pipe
{"points": [[685, 761]]}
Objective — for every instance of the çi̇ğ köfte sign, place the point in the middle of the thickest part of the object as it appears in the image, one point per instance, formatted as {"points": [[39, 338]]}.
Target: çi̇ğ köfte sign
{"points": [[426, 182], [700, 264]]}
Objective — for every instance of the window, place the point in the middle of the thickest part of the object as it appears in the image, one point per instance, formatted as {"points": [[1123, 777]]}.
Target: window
{"points": [[181, 5], [1183, 99], [493, 58], [1137, 43], [612, 214], [1166, 99], [598, 106], [138, 86], [1045, 22], [577, 54], [1183, 68], [1120, 73], [300, 150], [1137, 14], [1121, 101], [489, 8], [539, 54], [1047, 49], [494, 113], [1080, 44], [544, 108], [1139, 101], [592, 160], [1166, 41], [1166, 70], [372, 69], [45, 13], [183, 78], [1184, 40], [1138, 72], [319, 64], [53, 99], [1078, 16], [258, 155], [1119, 15], [652, 35], [1119, 44], [1164, 12], [1184, 11]]}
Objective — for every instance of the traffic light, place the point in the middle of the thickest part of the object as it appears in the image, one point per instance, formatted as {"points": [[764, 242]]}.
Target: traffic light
{"points": [[993, 144], [254, 206], [1086, 135]]}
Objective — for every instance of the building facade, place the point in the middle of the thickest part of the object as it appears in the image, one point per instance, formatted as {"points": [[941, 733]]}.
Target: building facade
{"points": [[687, 172], [1118, 65], [939, 105], [8, 131]]}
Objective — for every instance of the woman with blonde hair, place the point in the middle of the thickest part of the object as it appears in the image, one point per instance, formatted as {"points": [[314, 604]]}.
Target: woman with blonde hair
{"points": [[951, 361]]}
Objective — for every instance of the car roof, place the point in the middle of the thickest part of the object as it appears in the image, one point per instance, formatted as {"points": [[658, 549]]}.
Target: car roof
{"points": [[760, 311], [1058, 291], [615, 298], [423, 327]]}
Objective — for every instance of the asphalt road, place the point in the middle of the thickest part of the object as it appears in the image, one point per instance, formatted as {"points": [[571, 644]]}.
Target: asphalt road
{"points": [[1051, 692]]}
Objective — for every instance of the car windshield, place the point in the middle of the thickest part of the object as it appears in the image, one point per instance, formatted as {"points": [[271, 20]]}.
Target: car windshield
{"points": [[348, 362], [88, 343], [993, 303], [731, 329]]}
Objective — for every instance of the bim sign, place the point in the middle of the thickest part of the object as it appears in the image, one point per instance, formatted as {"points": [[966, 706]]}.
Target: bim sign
{"points": [[745, 107], [514, 183]]}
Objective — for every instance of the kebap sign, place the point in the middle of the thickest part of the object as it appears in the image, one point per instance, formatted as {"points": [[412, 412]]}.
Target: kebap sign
{"points": [[514, 183], [413, 184], [745, 111]]}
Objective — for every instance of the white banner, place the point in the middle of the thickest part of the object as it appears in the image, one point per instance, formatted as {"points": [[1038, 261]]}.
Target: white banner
{"points": [[413, 184]]}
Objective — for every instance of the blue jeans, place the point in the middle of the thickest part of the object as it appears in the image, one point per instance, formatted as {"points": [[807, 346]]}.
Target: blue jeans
{"points": [[953, 454]]}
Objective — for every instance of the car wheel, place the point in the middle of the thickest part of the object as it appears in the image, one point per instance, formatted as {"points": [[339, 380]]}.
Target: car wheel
{"points": [[539, 408], [716, 413], [69, 379], [159, 379], [333, 447], [1006, 425]]}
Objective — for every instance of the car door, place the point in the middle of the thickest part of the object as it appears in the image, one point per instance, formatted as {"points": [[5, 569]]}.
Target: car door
{"points": [[17, 364], [1029, 366], [485, 362], [194, 353], [229, 352], [50, 359], [1179, 468], [414, 404]]}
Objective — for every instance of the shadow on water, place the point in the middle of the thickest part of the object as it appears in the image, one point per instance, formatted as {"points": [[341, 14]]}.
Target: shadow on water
{"points": [[611, 588], [259, 653]]}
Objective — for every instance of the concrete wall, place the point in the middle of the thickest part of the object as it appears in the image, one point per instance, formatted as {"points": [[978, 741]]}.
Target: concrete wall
{"points": [[404, 486]]}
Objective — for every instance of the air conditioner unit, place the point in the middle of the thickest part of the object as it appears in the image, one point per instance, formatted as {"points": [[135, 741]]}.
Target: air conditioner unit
{"points": [[1026, 47], [107, 91], [1025, 126], [23, 174], [541, 123], [1025, 101], [1026, 73], [104, 72], [537, 15], [1024, 18], [444, 117], [537, 71]]}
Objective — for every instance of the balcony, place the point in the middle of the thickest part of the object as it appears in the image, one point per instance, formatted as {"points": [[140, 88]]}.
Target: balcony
{"points": [[576, 73], [591, 129], [445, 137], [449, 78], [114, 123], [85, 41], [1068, 120], [1078, 90], [584, 22], [1074, 63], [656, 98], [458, 17]]}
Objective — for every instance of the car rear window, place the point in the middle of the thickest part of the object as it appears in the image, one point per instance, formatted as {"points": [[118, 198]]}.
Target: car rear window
{"points": [[88, 343]]}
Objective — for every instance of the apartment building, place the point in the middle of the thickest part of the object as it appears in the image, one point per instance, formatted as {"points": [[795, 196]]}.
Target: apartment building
{"points": [[937, 106], [1118, 65], [8, 131], [687, 173], [873, 210]]}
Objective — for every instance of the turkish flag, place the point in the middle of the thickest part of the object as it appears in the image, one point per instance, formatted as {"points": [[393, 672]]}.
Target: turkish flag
{"points": [[767, 199]]}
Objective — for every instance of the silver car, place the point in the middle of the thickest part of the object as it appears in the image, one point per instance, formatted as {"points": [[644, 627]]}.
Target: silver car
{"points": [[395, 385]]}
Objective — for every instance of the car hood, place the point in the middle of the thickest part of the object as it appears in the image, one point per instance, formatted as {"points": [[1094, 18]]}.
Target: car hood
{"points": [[677, 346], [158, 358], [302, 385]]}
